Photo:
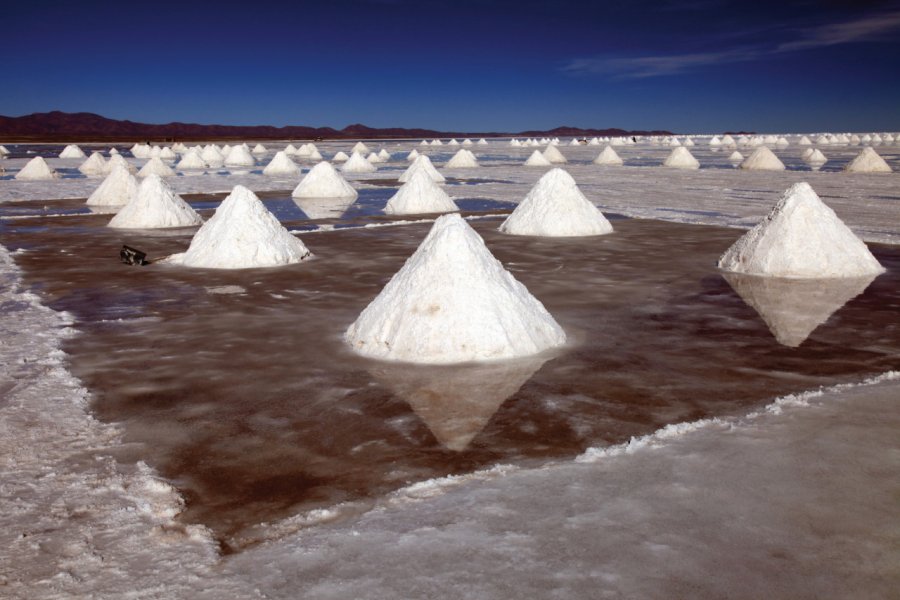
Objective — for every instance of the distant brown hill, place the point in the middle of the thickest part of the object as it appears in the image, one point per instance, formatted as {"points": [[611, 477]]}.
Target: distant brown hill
{"points": [[59, 126]]}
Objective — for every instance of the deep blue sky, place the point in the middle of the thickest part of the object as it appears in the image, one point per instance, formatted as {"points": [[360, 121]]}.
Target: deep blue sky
{"points": [[696, 65]]}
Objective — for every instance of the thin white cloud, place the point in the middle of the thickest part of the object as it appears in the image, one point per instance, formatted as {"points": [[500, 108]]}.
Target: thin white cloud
{"points": [[867, 29]]}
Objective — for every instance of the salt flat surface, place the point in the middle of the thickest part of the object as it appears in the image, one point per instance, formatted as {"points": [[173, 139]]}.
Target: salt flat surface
{"points": [[797, 500]]}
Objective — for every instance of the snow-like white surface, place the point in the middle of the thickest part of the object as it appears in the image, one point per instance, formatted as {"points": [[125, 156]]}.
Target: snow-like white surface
{"points": [[239, 156], [191, 160], [155, 166], [423, 163], [552, 154], [119, 187], [360, 147], [340, 157], [762, 159], [681, 158], [72, 151], [357, 163], [801, 238], [453, 302], [281, 165], [116, 160], [323, 181], [463, 159], [36, 169], [537, 159], [868, 161], [420, 195], [94, 166], [555, 207], [242, 234], [155, 206], [608, 156]]}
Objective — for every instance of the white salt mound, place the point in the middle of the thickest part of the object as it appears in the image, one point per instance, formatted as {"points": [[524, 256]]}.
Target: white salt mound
{"points": [[681, 158], [374, 158], [323, 181], [4, 151], [95, 165], [155, 206], [537, 160], [360, 147], [167, 154], [281, 165], [36, 169], [736, 157], [259, 149], [801, 238], [453, 302], [424, 163], [555, 207], [463, 159], [357, 163], [816, 157], [239, 157], [155, 166], [191, 160], [762, 159], [212, 156], [117, 160], [608, 156], [384, 155], [805, 141], [340, 157], [868, 161], [553, 154], [420, 195], [72, 151], [413, 155], [242, 234], [118, 189], [482, 142]]}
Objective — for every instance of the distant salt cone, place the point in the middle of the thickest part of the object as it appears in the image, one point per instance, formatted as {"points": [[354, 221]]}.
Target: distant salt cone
{"points": [[360, 148], [281, 165], [736, 158], [793, 308], [537, 160], [384, 155], [467, 142], [553, 154], [681, 158], [117, 160], [36, 169], [437, 143], [4, 151], [156, 206], [167, 154], [424, 163], [323, 181], [374, 158], [463, 159], [72, 151], [609, 157], [155, 166], [420, 195], [762, 159], [340, 157], [357, 163], [868, 161], [259, 149], [118, 189], [453, 302], [324, 208], [801, 238], [413, 155], [555, 207], [482, 142], [816, 159], [805, 141], [212, 156], [239, 157], [93, 166], [453, 142], [456, 402], [715, 141], [191, 160], [242, 234]]}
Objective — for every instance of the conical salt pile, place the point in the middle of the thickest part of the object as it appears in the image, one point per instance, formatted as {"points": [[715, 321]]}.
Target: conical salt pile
{"points": [[714, 141], [437, 143], [373, 158], [801, 238], [609, 157], [95, 165], [453, 142], [117, 160], [281, 165], [804, 141], [303, 151], [323, 181], [212, 156], [156, 206], [242, 234], [553, 154], [191, 160], [340, 157], [681, 158], [420, 195], [868, 161], [453, 302], [155, 166], [259, 149], [167, 154], [361, 148], [290, 150], [4, 151], [36, 169], [762, 159], [537, 160], [413, 155], [424, 163], [358, 164], [463, 159], [239, 157], [119, 187], [467, 142], [816, 158], [384, 155], [72, 151], [736, 158], [555, 207]]}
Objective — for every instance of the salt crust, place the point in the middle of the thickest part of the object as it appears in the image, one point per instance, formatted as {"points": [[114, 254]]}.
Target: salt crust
{"points": [[453, 302], [424, 163], [555, 207], [155, 206], [323, 181], [800, 238], [119, 187], [281, 165], [420, 195], [242, 234]]}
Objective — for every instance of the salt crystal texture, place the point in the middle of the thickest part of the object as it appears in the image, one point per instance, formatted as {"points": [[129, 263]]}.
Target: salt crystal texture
{"points": [[155, 206], [117, 160], [72, 151], [424, 163], [155, 166], [212, 156], [482, 142], [36, 169], [242, 234], [413, 155], [801, 238], [357, 163], [281, 165], [868, 161], [816, 157], [736, 158], [420, 195], [340, 157], [537, 160], [323, 181], [239, 157], [119, 187], [360, 147], [453, 302], [384, 155], [762, 159], [463, 159], [191, 160], [167, 154], [608, 156], [805, 141], [555, 207], [681, 158], [553, 154], [95, 165], [259, 149]]}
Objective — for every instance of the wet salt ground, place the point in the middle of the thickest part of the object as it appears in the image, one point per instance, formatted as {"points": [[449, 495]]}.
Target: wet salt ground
{"points": [[237, 387]]}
